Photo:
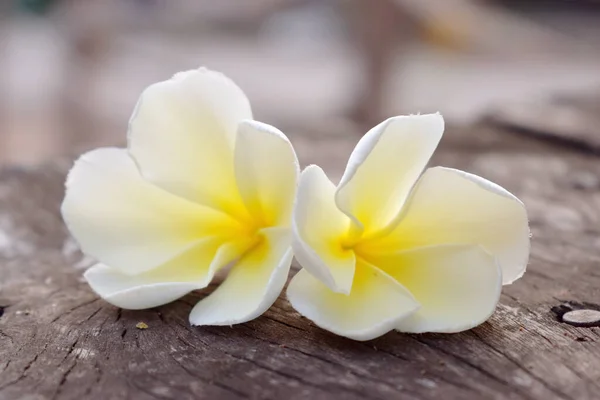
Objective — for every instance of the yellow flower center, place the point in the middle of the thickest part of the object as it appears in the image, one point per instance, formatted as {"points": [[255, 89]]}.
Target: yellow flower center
{"points": [[352, 237]]}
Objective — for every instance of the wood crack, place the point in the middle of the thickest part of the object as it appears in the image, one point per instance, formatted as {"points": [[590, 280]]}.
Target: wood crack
{"points": [[275, 371], [192, 373], [432, 373], [476, 367], [23, 373], [92, 315], [3, 334], [6, 365], [215, 383], [284, 323], [521, 367], [142, 389], [343, 367], [63, 379], [96, 382], [290, 376], [540, 335], [73, 309]]}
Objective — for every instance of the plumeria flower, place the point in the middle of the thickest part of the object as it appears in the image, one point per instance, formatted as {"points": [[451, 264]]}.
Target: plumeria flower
{"points": [[389, 248], [200, 187]]}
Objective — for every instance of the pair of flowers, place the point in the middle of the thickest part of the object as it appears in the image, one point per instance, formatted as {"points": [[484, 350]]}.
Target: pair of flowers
{"points": [[202, 187]]}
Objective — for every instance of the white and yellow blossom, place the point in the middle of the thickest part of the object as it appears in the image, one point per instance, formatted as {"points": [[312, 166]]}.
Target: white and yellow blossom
{"points": [[201, 186], [389, 248]]}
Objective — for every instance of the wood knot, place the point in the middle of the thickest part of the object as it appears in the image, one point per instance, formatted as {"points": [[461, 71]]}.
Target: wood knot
{"points": [[584, 315]]}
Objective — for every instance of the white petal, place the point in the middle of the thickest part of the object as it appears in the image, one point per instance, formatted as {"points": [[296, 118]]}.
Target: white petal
{"points": [[319, 228], [453, 207], [134, 292], [252, 285], [194, 269], [267, 170], [127, 223], [384, 166], [376, 304], [182, 135], [457, 286]]}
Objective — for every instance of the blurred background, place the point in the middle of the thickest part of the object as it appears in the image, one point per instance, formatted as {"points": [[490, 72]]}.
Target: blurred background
{"points": [[71, 70]]}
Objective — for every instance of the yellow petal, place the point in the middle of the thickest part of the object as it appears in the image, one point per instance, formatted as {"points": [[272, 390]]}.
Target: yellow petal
{"points": [[127, 223], [376, 304], [252, 285], [319, 231], [182, 135], [384, 166], [457, 286], [453, 207], [267, 172]]}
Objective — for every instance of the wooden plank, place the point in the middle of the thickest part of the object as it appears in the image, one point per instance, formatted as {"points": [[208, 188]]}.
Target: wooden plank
{"points": [[59, 341], [572, 122]]}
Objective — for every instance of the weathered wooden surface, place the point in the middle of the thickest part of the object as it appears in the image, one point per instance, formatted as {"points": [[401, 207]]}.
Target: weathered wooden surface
{"points": [[59, 341], [569, 121]]}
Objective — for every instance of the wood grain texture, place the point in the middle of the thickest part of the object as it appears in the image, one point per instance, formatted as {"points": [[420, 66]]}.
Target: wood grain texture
{"points": [[59, 341], [568, 121]]}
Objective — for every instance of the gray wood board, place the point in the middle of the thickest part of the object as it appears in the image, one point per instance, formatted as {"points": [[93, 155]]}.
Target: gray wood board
{"points": [[58, 340]]}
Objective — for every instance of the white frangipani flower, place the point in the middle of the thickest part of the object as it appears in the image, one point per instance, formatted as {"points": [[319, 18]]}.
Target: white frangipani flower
{"points": [[389, 248], [201, 186]]}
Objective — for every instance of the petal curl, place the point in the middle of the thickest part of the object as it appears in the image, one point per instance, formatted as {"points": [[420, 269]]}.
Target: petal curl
{"points": [[457, 286], [449, 206], [319, 230], [125, 222], [134, 292], [182, 136], [376, 304], [266, 169], [384, 166], [191, 270], [252, 285]]}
